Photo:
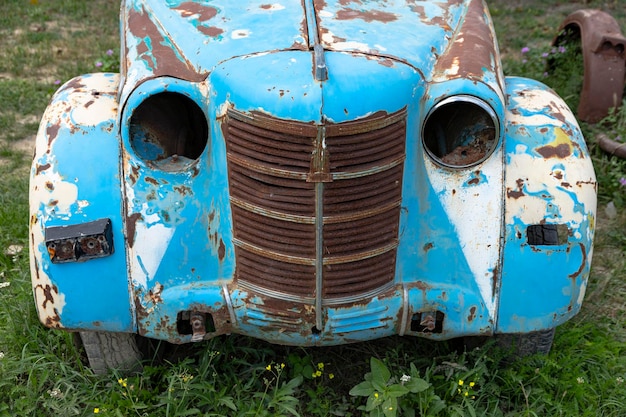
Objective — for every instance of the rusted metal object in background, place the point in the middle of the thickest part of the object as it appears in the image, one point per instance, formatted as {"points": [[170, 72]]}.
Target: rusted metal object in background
{"points": [[603, 47], [611, 146]]}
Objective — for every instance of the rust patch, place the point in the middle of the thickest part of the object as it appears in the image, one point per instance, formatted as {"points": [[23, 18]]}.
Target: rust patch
{"points": [[140, 311], [41, 168], [49, 185], [53, 321], [131, 226], [369, 16], [52, 132], [582, 264], [151, 181], [134, 174], [191, 8], [221, 250], [154, 295], [211, 31], [163, 58], [428, 246], [472, 314], [74, 84], [556, 112], [516, 193], [473, 47], [47, 293], [183, 190], [422, 286], [560, 151]]}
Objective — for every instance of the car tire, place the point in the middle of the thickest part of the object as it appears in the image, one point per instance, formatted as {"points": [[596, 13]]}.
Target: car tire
{"points": [[106, 351], [519, 345]]}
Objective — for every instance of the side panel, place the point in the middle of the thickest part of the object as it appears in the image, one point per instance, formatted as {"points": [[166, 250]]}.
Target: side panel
{"points": [[74, 181], [550, 211]]}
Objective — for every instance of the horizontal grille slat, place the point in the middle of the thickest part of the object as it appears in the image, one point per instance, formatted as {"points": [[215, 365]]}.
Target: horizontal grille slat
{"points": [[360, 234], [363, 192], [280, 209], [372, 273], [282, 196], [290, 238], [287, 152], [370, 149], [275, 275]]}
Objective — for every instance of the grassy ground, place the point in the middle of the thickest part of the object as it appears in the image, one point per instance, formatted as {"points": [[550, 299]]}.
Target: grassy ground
{"points": [[42, 373]]}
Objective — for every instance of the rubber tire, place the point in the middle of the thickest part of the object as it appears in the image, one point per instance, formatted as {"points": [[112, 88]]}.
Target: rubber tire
{"points": [[106, 351], [526, 344]]}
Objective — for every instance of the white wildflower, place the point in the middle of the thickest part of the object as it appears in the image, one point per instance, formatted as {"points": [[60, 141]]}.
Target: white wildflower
{"points": [[55, 393], [580, 380], [405, 378]]}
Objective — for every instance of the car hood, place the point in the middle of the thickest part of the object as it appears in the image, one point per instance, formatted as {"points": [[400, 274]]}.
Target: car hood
{"points": [[187, 39]]}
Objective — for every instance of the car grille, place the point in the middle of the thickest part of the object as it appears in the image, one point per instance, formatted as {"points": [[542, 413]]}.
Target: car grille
{"points": [[315, 202]]}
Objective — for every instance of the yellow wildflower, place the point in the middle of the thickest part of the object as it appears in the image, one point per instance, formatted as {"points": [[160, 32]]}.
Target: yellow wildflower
{"points": [[461, 382], [96, 410], [269, 367]]}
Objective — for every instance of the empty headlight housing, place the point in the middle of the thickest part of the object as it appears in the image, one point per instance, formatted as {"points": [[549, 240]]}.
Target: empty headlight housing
{"points": [[460, 131], [168, 130]]}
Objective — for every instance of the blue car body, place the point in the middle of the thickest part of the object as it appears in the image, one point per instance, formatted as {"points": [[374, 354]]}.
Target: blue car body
{"points": [[309, 173]]}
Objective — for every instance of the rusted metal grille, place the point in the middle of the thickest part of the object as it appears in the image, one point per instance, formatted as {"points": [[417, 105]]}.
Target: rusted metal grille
{"points": [[278, 205]]}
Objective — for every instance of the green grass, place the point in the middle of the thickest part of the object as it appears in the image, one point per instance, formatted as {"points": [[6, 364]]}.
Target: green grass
{"points": [[43, 373]]}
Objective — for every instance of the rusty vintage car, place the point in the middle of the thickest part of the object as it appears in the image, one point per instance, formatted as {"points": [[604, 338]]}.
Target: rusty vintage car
{"points": [[308, 173]]}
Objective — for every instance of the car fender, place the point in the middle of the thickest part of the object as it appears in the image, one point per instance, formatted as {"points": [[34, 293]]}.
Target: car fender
{"points": [[75, 189], [550, 209]]}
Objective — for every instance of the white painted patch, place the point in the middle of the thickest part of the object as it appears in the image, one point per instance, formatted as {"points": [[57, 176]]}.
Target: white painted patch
{"points": [[49, 303], [329, 39], [49, 189], [240, 33], [475, 212], [151, 243], [534, 101], [102, 107], [535, 174]]}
